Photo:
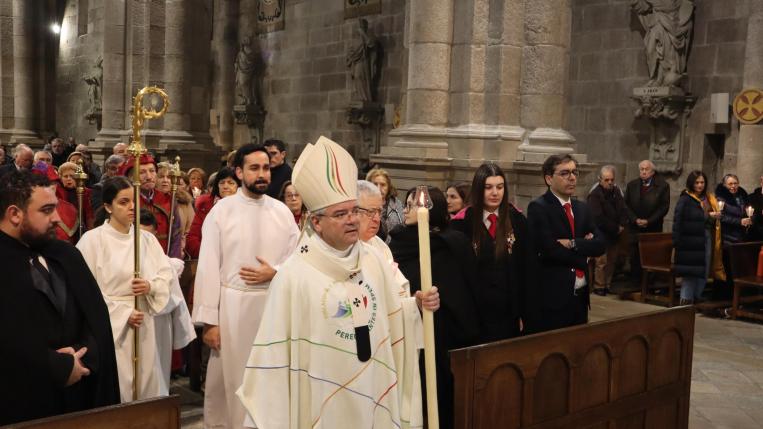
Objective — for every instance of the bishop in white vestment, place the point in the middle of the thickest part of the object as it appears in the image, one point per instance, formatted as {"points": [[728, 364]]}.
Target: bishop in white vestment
{"points": [[109, 255], [338, 343], [240, 231]]}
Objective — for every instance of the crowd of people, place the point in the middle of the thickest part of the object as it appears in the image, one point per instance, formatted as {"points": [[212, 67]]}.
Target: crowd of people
{"points": [[285, 259]]}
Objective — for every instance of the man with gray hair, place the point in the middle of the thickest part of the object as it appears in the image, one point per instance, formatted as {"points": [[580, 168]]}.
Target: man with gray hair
{"points": [[110, 169], [43, 156], [647, 201], [609, 214], [23, 157], [370, 204]]}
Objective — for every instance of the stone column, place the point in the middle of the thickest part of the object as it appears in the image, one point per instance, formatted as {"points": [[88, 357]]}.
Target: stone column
{"points": [[429, 56], [545, 68], [176, 83], [25, 109], [224, 44], [750, 165], [113, 115]]}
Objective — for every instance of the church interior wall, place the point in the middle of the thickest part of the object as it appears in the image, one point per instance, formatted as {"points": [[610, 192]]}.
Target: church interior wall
{"points": [[608, 61], [306, 87], [79, 47]]}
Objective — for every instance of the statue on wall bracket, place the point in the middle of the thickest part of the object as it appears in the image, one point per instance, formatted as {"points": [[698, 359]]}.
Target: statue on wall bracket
{"points": [[364, 64], [667, 28], [94, 80], [248, 108]]}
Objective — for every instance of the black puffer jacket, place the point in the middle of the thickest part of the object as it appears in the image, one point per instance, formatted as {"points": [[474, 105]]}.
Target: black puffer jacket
{"points": [[732, 230], [689, 225]]}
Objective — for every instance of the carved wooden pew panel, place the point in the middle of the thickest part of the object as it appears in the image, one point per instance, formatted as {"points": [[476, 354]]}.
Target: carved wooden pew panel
{"points": [[156, 413], [633, 372]]}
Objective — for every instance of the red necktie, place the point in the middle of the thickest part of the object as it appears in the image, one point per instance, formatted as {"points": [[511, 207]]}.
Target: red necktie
{"points": [[492, 218], [568, 212]]}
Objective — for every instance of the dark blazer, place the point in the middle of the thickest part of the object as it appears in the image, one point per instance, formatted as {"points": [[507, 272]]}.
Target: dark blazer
{"points": [[551, 266], [278, 176], [34, 384], [653, 205], [756, 201], [500, 282], [7, 168], [689, 225], [732, 230], [457, 322], [608, 209]]}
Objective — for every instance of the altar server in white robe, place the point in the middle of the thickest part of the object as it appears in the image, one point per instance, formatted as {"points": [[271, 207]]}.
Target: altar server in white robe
{"points": [[108, 251], [174, 327], [338, 344], [245, 237]]}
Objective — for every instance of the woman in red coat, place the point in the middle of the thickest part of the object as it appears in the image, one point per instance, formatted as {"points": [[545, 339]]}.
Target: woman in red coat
{"points": [[67, 191], [225, 184]]}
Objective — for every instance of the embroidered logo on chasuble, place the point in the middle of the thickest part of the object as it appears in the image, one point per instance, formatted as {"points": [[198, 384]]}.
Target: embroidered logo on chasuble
{"points": [[338, 307]]}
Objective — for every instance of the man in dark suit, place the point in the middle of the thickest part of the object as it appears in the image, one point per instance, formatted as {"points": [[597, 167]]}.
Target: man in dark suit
{"points": [[56, 342], [23, 157], [563, 236], [647, 201]]}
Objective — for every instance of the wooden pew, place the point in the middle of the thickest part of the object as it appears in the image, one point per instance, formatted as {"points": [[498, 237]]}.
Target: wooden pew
{"points": [[632, 372], [744, 264], [656, 254], [156, 413]]}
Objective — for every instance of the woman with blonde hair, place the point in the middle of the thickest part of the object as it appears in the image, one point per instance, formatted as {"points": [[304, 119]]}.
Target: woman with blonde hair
{"points": [[392, 212], [68, 192], [184, 200]]}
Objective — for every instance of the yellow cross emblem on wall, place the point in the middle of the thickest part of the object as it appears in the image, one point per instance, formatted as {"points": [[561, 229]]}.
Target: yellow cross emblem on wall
{"points": [[748, 106]]}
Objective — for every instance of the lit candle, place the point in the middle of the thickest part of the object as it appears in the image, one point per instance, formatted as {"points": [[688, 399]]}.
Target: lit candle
{"points": [[750, 211], [425, 261], [721, 203]]}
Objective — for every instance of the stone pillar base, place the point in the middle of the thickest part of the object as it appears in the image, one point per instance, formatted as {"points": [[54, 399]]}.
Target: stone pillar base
{"points": [[15, 136], [542, 142], [437, 156], [194, 149]]}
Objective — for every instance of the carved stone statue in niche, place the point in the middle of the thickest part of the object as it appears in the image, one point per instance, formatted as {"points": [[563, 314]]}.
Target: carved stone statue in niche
{"points": [[667, 38], [245, 67], [363, 62], [95, 87], [248, 108]]}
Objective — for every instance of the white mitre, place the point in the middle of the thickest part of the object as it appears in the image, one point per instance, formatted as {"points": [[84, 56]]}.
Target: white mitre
{"points": [[325, 174]]}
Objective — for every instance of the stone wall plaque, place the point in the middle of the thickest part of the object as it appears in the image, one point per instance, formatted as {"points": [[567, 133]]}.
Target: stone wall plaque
{"points": [[356, 8], [270, 15]]}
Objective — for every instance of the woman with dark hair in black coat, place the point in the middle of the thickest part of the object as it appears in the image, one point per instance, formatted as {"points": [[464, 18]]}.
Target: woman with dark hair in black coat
{"points": [[696, 238], [456, 323], [497, 232]]}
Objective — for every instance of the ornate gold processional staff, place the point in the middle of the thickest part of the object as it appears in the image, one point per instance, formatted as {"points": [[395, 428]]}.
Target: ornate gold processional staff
{"points": [[80, 177], [141, 113], [174, 174]]}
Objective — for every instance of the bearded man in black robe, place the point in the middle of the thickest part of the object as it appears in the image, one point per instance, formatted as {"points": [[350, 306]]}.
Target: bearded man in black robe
{"points": [[55, 342]]}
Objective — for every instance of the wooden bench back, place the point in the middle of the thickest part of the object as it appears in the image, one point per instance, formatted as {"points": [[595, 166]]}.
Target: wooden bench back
{"points": [[655, 249], [156, 413], [629, 372], [744, 258]]}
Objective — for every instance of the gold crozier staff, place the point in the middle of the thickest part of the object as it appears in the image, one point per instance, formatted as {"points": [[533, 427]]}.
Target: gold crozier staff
{"points": [[174, 174], [136, 150], [80, 177]]}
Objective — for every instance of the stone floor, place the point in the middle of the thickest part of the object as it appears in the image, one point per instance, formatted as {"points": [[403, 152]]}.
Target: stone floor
{"points": [[727, 378]]}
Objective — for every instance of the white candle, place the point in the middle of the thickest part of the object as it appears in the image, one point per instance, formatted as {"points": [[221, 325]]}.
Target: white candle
{"points": [[750, 211], [425, 262], [721, 203]]}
